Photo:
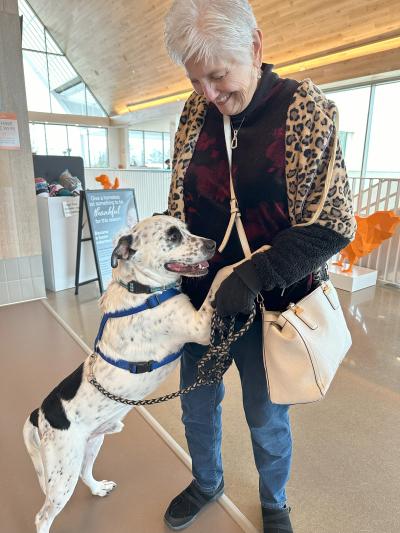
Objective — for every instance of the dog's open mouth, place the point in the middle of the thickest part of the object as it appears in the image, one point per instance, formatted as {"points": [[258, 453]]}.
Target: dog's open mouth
{"points": [[195, 269]]}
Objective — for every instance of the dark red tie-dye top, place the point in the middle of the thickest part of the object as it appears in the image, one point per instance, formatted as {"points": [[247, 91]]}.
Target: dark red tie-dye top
{"points": [[258, 173]]}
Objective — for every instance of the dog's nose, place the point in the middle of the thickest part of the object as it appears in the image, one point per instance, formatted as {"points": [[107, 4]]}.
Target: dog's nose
{"points": [[209, 246]]}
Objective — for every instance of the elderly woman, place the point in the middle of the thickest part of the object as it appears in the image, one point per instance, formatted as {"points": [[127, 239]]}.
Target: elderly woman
{"points": [[282, 138]]}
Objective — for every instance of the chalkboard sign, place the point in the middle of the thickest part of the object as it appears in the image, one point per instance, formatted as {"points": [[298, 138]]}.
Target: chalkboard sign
{"points": [[109, 212]]}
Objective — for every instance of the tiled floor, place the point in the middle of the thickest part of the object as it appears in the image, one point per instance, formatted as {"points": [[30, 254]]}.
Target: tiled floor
{"points": [[346, 466]]}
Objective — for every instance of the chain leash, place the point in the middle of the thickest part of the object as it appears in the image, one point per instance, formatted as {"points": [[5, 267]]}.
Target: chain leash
{"points": [[210, 368]]}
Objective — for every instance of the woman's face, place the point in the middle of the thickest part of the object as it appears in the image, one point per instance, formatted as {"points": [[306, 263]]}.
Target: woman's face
{"points": [[229, 85]]}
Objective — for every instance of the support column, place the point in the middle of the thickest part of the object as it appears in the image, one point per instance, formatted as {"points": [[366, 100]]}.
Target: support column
{"points": [[21, 269]]}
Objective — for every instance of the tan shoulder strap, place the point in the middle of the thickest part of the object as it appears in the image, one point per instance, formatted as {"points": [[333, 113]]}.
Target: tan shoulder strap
{"points": [[235, 212]]}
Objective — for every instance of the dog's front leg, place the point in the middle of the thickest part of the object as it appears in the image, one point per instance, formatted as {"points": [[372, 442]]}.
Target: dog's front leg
{"points": [[97, 488], [202, 329]]}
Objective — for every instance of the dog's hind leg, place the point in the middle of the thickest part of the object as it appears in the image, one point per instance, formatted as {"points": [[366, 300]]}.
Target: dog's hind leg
{"points": [[98, 488], [32, 443], [62, 455]]}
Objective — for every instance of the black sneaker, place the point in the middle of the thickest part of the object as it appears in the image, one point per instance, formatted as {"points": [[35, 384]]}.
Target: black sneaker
{"points": [[276, 520], [186, 506]]}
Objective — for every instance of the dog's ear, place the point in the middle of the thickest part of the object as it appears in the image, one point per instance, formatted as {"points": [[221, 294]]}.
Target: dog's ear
{"points": [[123, 250]]}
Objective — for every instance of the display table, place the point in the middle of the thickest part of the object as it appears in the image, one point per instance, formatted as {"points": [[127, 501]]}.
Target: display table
{"points": [[58, 221]]}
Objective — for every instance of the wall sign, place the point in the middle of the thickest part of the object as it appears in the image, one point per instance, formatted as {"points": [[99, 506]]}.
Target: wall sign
{"points": [[9, 136]]}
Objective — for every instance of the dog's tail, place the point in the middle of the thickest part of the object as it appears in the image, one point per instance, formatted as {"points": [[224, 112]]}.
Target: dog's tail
{"points": [[32, 443]]}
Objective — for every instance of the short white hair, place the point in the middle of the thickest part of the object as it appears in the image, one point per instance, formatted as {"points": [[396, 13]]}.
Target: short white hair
{"points": [[210, 29]]}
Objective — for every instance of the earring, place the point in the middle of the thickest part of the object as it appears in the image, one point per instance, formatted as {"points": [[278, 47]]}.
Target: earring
{"points": [[259, 73]]}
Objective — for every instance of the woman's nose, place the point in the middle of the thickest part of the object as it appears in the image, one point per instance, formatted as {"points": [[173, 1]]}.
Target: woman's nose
{"points": [[209, 91]]}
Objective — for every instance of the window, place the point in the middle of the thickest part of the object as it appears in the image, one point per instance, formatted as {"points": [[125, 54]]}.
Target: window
{"points": [[136, 148], [368, 122], [36, 81], [383, 150], [59, 139], [98, 153], [153, 149], [353, 114], [149, 148], [38, 139], [78, 143], [52, 84]]}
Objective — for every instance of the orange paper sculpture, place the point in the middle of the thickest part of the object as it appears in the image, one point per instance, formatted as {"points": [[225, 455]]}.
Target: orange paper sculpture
{"points": [[371, 232], [106, 183]]}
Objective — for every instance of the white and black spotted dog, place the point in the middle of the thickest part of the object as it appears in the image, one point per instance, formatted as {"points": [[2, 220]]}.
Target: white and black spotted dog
{"points": [[64, 436]]}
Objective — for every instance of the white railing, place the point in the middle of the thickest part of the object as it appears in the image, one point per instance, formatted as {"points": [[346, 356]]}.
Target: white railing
{"points": [[369, 195], [151, 186], [380, 194]]}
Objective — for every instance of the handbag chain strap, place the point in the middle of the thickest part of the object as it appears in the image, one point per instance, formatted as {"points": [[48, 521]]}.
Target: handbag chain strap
{"points": [[210, 368]]}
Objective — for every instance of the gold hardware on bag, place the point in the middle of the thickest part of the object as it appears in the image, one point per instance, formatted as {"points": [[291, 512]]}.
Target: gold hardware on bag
{"points": [[297, 310], [326, 288]]}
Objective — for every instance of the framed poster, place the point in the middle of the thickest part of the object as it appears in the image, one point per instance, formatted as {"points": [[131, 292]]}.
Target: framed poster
{"points": [[109, 212]]}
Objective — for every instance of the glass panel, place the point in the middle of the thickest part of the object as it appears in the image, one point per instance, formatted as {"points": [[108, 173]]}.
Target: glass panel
{"points": [[57, 143], [153, 149], [353, 113], [384, 152], [51, 45], [38, 139], [32, 29], [167, 150], [71, 100], [136, 151], [78, 143], [93, 108], [67, 89], [36, 82], [98, 147]]}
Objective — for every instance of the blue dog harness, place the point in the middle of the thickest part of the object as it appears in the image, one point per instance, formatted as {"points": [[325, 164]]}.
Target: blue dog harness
{"points": [[145, 366]]}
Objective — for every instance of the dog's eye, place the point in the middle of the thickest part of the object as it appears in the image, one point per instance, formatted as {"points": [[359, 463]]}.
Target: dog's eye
{"points": [[174, 235]]}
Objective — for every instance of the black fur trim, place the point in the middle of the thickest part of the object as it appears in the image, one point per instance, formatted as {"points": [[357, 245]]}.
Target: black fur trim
{"points": [[295, 253], [52, 407]]}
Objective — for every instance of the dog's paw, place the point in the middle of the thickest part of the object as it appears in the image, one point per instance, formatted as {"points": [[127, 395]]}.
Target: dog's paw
{"points": [[103, 488]]}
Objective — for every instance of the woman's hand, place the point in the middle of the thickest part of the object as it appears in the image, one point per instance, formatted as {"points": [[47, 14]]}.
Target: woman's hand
{"points": [[238, 291]]}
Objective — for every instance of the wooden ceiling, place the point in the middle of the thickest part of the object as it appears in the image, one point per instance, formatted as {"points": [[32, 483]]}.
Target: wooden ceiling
{"points": [[117, 45]]}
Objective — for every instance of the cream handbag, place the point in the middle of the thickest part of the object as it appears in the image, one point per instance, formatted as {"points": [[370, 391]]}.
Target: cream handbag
{"points": [[304, 345]]}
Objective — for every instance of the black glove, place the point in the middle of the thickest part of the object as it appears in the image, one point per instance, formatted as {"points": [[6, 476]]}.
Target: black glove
{"points": [[238, 291]]}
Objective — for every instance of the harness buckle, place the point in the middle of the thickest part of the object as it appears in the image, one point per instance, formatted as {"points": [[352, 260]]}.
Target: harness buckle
{"points": [[141, 367]]}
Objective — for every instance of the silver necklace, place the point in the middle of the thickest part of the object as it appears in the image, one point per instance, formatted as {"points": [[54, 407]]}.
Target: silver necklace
{"points": [[235, 134]]}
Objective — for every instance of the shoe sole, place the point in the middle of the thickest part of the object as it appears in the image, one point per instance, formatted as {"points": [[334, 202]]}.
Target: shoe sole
{"points": [[187, 524]]}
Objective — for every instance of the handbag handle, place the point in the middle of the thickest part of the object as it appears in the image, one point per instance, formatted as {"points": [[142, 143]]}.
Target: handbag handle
{"points": [[235, 217]]}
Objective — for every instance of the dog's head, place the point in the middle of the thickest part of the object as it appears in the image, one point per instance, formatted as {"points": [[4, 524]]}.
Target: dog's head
{"points": [[162, 249]]}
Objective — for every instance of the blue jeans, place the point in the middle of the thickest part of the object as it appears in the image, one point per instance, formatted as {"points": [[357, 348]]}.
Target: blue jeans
{"points": [[268, 423]]}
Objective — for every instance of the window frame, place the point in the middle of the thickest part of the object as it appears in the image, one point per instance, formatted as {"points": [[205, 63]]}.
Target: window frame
{"points": [[166, 154], [66, 125]]}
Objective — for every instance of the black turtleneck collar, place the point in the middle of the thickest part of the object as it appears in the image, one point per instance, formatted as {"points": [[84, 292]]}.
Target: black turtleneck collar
{"points": [[261, 94]]}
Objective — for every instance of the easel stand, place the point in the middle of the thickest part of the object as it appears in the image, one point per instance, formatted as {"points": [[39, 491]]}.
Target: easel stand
{"points": [[82, 206]]}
